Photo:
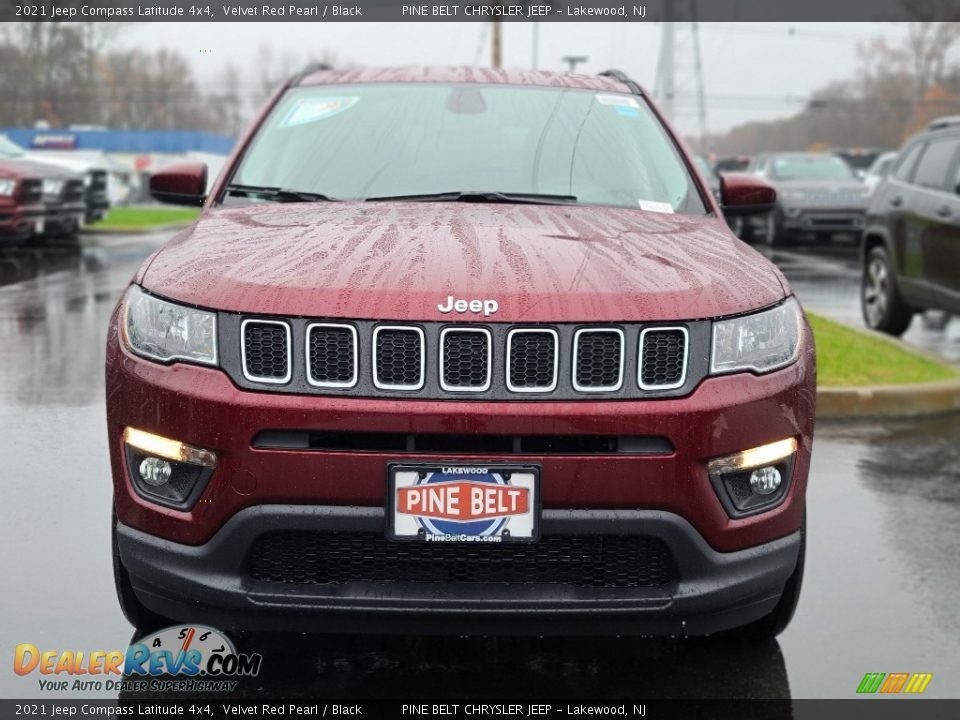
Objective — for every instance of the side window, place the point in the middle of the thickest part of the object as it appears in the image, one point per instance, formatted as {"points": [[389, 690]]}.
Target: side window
{"points": [[936, 161], [907, 162]]}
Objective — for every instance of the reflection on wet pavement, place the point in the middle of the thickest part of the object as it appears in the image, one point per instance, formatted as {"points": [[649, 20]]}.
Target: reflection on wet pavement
{"points": [[879, 594]]}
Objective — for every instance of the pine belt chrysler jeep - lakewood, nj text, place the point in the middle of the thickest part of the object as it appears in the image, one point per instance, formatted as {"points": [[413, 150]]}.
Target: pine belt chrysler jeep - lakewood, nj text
{"points": [[460, 351]]}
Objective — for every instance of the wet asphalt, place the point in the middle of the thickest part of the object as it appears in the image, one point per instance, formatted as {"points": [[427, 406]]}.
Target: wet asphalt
{"points": [[880, 592]]}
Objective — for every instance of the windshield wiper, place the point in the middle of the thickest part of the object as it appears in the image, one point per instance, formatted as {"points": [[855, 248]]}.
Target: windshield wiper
{"points": [[277, 194], [482, 196]]}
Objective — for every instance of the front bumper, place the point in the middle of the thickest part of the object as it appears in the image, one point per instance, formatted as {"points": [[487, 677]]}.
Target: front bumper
{"points": [[20, 223], [63, 218], [708, 591], [825, 219]]}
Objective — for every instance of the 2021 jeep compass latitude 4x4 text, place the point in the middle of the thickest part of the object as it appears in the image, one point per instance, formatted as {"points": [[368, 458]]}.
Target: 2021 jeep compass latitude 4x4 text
{"points": [[460, 351]]}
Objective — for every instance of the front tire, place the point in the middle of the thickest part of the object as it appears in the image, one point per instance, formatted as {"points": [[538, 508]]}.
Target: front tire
{"points": [[883, 307], [773, 232]]}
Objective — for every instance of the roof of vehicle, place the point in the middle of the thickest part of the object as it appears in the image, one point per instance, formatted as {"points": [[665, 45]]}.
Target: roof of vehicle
{"points": [[419, 74], [942, 123]]}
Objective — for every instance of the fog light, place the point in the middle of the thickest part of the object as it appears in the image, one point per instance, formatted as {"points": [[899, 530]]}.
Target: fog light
{"points": [[155, 472], [765, 480], [166, 471], [754, 480]]}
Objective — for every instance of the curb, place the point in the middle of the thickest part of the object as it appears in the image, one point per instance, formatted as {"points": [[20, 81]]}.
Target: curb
{"points": [[844, 403], [890, 401]]}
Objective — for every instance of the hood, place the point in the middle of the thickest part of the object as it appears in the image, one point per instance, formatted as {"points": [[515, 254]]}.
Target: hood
{"points": [[44, 171], [74, 164], [398, 261], [819, 185]]}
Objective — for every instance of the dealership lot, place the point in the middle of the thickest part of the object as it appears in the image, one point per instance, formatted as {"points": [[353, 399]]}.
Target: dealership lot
{"points": [[879, 594]]}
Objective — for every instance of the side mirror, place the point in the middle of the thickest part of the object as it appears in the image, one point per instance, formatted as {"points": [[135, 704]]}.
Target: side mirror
{"points": [[746, 195], [181, 184]]}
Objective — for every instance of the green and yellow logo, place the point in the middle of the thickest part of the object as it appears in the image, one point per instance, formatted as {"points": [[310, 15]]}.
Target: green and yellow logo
{"points": [[892, 683]]}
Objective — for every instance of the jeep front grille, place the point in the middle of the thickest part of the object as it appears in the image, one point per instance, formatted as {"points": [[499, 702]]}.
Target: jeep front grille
{"points": [[398, 358], [331, 355], [465, 359], [532, 360], [663, 357], [598, 359], [495, 361], [266, 351]]}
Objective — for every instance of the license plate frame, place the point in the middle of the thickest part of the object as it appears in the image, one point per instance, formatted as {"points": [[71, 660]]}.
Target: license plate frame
{"points": [[480, 530]]}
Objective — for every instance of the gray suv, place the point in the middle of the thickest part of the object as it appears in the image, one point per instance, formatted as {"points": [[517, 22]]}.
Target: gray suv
{"points": [[817, 194]]}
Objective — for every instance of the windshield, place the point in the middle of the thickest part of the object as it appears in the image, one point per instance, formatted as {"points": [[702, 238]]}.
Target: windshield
{"points": [[8, 148], [355, 142], [811, 167]]}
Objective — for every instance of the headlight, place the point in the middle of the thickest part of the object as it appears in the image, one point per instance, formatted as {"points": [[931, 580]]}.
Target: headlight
{"points": [[88, 179], [760, 342], [161, 330], [52, 187], [7, 187]]}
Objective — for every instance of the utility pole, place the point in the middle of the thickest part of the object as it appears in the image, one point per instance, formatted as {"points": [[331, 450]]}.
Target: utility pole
{"points": [[666, 80], [698, 69], [536, 46], [574, 60], [496, 44]]}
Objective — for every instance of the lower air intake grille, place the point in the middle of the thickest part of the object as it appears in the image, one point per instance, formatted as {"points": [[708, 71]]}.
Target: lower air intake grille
{"points": [[599, 561], [266, 351], [398, 361], [663, 358]]}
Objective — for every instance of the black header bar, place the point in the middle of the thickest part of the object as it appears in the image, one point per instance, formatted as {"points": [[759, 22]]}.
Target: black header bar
{"points": [[480, 10]]}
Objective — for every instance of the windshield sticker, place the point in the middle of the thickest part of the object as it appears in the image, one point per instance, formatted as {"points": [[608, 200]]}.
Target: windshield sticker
{"points": [[314, 109], [656, 206], [627, 111], [620, 101]]}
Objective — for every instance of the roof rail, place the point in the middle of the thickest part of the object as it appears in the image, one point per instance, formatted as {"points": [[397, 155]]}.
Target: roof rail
{"points": [[944, 122], [624, 78], [309, 70]]}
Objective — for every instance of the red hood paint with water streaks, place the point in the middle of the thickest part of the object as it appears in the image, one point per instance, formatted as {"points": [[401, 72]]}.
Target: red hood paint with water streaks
{"points": [[398, 261]]}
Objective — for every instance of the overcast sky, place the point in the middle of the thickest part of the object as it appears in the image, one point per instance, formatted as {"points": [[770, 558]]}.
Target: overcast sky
{"points": [[751, 70]]}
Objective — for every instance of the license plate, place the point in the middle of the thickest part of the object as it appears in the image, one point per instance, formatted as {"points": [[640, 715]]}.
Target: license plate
{"points": [[471, 503]]}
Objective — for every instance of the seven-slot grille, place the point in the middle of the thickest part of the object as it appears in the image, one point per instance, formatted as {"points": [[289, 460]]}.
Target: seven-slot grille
{"points": [[398, 358], [598, 360], [465, 359], [439, 360], [532, 360], [266, 351], [663, 358], [332, 355]]}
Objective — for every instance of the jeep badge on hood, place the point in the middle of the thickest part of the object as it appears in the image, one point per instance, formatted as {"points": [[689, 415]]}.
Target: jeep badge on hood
{"points": [[487, 307]]}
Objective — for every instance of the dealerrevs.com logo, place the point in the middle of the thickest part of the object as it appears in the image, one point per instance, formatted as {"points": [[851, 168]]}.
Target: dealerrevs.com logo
{"points": [[184, 658]]}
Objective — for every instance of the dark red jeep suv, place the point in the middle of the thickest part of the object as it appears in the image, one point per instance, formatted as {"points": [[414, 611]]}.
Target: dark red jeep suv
{"points": [[460, 351]]}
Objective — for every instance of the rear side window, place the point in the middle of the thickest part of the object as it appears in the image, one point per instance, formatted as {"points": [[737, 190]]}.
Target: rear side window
{"points": [[936, 162], [908, 161]]}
